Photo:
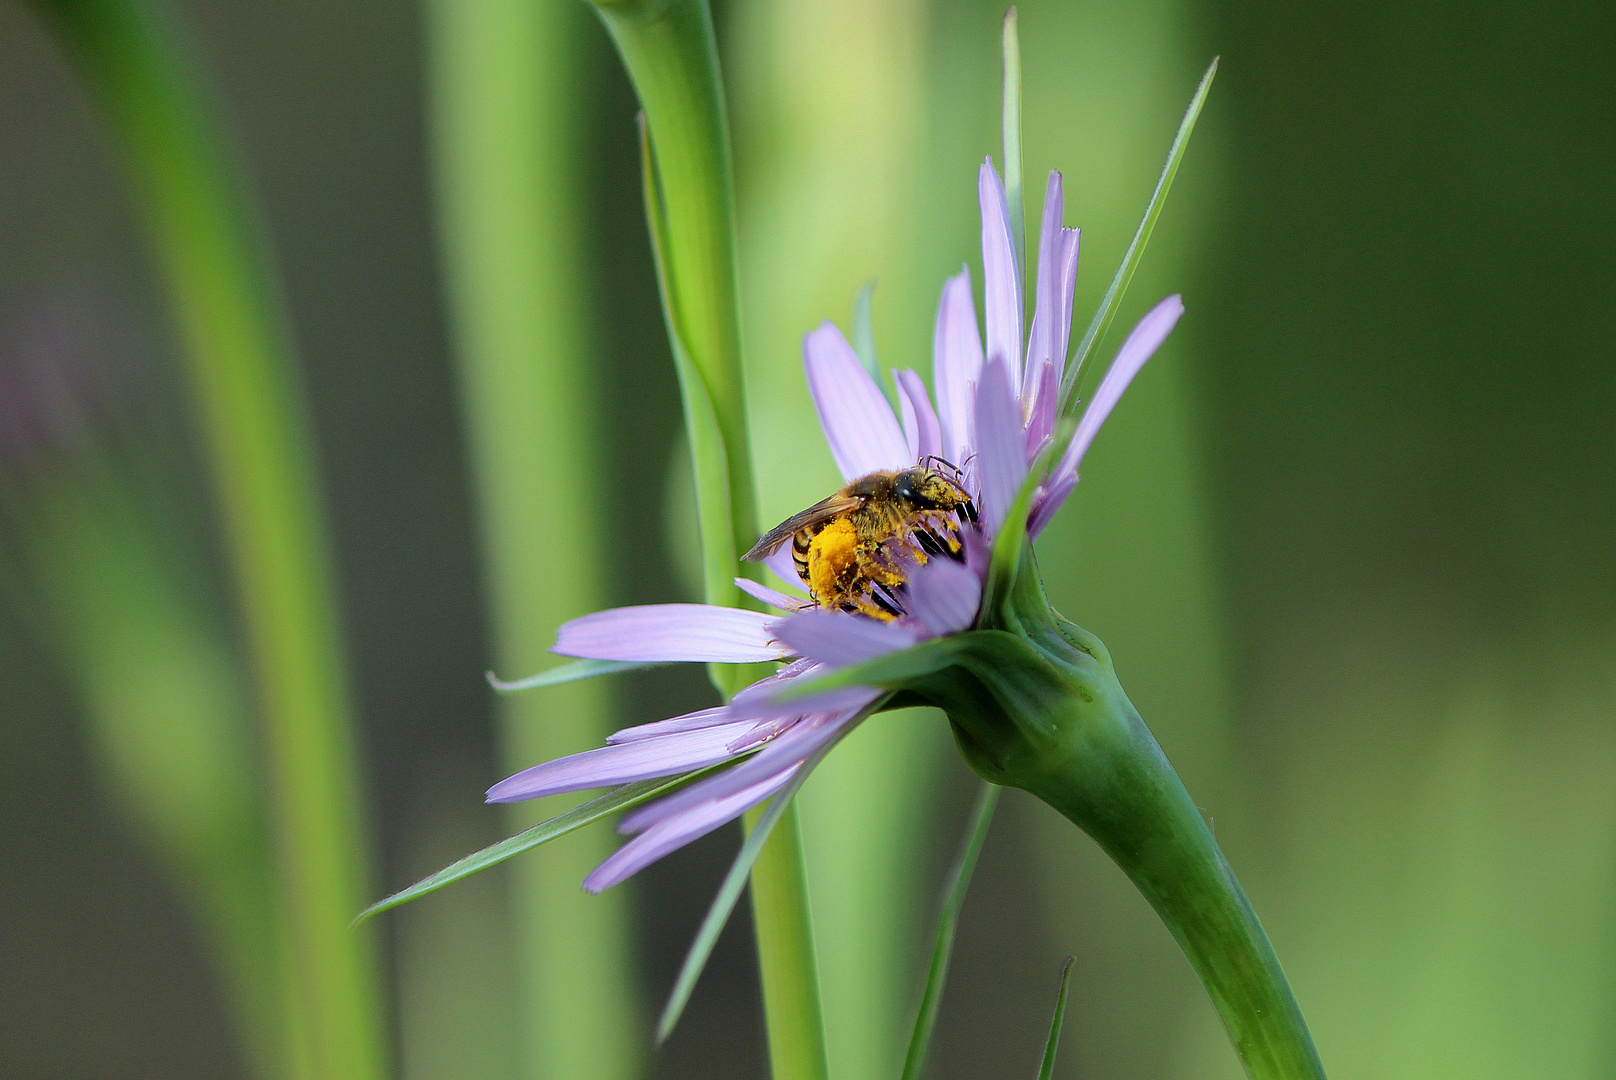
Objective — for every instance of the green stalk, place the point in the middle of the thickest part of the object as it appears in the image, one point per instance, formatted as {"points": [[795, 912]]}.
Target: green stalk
{"points": [[671, 54], [250, 414], [1136, 808], [786, 953], [507, 138]]}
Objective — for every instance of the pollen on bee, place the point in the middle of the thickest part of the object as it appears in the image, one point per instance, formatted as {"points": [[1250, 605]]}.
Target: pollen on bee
{"points": [[832, 554]]}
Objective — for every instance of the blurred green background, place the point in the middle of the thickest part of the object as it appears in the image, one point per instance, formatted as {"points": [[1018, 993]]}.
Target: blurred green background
{"points": [[1351, 537]]}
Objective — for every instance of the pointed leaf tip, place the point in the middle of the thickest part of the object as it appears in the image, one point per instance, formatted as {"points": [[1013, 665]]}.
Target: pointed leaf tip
{"points": [[1047, 1069]]}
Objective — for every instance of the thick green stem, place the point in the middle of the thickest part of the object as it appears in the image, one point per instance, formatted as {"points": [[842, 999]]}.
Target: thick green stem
{"points": [[250, 415], [671, 54], [1140, 813], [786, 954], [507, 137]]}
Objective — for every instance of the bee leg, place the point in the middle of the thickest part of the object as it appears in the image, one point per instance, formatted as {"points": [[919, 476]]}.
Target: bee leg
{"points": [[928, 541]]}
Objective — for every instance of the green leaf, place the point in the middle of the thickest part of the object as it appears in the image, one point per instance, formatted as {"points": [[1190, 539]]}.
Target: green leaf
{"points": [[1046, 1071], [947, 923], [864, 332], [728, 893], [1136, 248], [1012, 144], [579, 669], [619, 799], [708, 458]]}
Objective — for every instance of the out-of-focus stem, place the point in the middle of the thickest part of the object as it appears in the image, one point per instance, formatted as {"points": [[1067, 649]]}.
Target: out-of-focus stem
{"points": [[508, 141], [250, 415]]}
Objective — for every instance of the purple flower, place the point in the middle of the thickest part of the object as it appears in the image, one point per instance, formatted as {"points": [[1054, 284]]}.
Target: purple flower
{"points": [[995, 412]]}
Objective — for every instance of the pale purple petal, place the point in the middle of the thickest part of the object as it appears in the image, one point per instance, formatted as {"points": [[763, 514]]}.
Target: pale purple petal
{"points": [[784, 565], [1001, 282], [760, 690], [695, 721], [1041, 407], [1048, 502], [863, 434], [1070, 241], [659, 633], [956, 365], [1141, 345], [676, 832], [797, 744], [928, 435], [1057, 277], [846, 699], [773, 597], [640, 759], [839, 639], [943, 596], [1001, 445]]}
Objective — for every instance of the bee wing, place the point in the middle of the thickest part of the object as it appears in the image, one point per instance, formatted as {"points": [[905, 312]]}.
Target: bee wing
{"points": [[820, 511]]}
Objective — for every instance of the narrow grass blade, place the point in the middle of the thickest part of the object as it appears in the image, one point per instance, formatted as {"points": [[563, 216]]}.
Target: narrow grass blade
{"points": [[724, 903], [947, 922], [1136, 248], [581, 669], [1046, 1071], [619, 799], [1012, 143], [864, 333]]}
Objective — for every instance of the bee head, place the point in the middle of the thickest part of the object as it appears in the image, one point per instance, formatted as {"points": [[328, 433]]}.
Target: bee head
{"points": [[926, 489]]}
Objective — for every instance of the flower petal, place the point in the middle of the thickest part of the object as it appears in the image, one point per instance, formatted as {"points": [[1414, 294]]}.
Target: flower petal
{"points": [[838, 639], [1001, 279], [1001, 450], [1141, 345], [1049, 501], [705, 718], [944, 596], [641, 759], [797, 744], [1057, 277], [956, 365], [675, 832], [671, 632], [1041, 407], [928, 435], [773, 597], [863, 434]]}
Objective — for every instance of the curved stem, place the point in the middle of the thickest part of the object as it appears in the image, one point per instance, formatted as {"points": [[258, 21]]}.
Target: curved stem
{"points": [[250, 413], [1122, 791]]}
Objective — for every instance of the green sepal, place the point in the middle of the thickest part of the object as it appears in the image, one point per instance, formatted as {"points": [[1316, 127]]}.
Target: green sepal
{"points": [[959, 882], [1046, 1070], [864, 332], [1136, 247], [578, 669], [592, 811]]}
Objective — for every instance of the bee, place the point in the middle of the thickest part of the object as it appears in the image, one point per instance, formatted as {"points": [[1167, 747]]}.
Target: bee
{"points": [[851, 550]]}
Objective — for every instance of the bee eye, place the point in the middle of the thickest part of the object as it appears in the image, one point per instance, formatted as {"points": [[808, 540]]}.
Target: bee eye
{"points": [[904, 486]]}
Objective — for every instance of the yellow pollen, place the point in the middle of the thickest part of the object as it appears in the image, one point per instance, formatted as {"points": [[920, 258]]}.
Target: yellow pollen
{"points": [[831, 555]]}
